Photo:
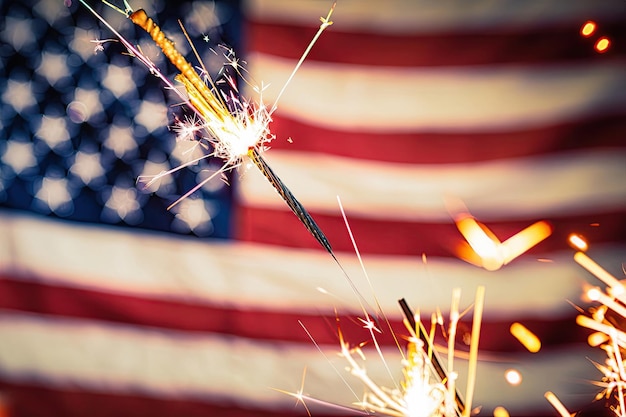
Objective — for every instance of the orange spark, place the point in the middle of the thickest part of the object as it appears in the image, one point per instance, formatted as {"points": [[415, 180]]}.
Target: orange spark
{"points": [[578, 242], [588, 29], [602, 44], [525, 337]]}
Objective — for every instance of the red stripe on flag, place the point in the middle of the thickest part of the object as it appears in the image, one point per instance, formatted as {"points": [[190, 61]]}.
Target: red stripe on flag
{"points": [[280, 326], [393, 237], [552, 43], [450, 147]]}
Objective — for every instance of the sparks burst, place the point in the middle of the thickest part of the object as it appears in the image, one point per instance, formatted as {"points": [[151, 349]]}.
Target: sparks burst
{"points": [[427, 389], [607, 321], [237, 128]]}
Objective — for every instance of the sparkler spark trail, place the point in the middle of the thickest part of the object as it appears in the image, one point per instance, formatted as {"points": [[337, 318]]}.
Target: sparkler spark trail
{"points": [[238, 129], [607, 322], [426, 390]]}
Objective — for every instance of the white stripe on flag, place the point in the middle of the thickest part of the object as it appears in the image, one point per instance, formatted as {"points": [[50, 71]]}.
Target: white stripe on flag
{"points": [[425, 16], [341, 96], [572, 183], [128, 360], [254, 277]]}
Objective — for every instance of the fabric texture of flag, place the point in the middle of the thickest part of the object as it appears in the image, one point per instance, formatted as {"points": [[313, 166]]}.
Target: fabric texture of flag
{"points": [[110, 304]]}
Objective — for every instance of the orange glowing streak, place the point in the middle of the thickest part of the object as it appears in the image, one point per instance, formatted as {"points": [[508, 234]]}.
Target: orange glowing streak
{"points": [[601, 273], [491, 252], [524, 240], [578, 242], [595, 294], [602, 44], [557, 404], [525, 337], [597, 338], [482, 241], [588, 29]]}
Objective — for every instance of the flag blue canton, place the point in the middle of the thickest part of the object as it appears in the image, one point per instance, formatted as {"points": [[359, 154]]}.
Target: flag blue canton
{"points": [[81, 121]]}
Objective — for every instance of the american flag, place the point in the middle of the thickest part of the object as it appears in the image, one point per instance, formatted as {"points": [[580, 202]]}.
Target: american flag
{"points": [[112, 305]]}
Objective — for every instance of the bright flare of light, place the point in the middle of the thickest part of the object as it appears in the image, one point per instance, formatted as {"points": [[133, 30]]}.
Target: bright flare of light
{"points": [[491, 252], [527, 338], [588, 29], [482, 241], [602, 44], [513, 376]]}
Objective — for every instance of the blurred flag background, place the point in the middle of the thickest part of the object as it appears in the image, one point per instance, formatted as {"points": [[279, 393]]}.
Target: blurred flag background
{"points": [[112, 305]]}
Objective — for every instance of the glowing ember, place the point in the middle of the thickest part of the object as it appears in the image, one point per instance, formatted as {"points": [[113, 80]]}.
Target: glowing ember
{"points": [[608, 336], [526, 337], [577, 242], [588, 29], [427, 389], [602, 44]]}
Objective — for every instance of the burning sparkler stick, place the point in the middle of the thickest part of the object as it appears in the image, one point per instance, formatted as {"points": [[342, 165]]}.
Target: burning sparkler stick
{"points": [[237, 128]]}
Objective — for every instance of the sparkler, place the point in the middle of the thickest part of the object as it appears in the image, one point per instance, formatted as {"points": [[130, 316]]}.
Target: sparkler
{"points": [[427, 389], [238, 129]]}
